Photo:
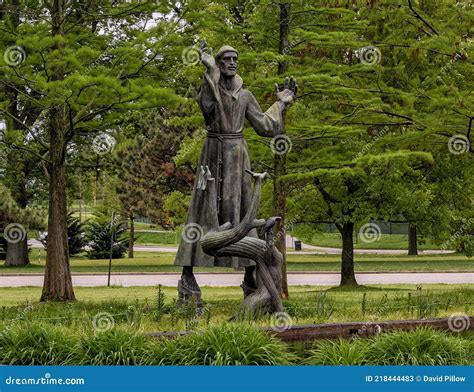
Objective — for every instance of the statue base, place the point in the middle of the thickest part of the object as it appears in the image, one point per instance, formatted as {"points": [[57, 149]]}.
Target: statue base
{"points": [[189, 294]]}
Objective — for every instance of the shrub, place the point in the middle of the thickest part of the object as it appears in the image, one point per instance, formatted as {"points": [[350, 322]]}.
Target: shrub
{"points": [[99, 234], [75, 235], [339, 352], [115, 347], [423, 346], [35, 344], [225, 344]]}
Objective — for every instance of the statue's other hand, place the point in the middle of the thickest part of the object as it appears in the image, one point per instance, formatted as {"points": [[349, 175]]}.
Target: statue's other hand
{"points": [[288, 94], [206, 58]]}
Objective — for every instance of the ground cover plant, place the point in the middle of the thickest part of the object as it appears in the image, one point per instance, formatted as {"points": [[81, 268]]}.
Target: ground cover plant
{"points": [[163, 262], [225, 344]]}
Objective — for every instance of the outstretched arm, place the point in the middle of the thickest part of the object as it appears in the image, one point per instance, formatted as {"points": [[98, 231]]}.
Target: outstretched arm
{"points": [[270, 123], [209, 93]]}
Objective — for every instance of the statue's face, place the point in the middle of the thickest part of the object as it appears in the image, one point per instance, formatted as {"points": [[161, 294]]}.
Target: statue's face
{"points": [[228, 64]]}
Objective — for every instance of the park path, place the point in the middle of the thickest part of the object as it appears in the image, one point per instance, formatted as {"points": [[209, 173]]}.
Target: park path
{"points": [[234, 279], [308, 249]]}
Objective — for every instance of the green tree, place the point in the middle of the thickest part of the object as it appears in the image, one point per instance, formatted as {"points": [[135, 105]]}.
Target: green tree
{"points": [[81, 65]]}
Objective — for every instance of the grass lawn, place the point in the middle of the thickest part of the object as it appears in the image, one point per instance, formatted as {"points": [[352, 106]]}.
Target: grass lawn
{"points": [[107, 326], [386, 241], [331, 240], [152, 238], [163, 262], [307, 304]]}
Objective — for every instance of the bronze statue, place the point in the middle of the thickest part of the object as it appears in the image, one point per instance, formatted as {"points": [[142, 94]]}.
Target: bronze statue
{"points": [[225, 104], [233, 240]]}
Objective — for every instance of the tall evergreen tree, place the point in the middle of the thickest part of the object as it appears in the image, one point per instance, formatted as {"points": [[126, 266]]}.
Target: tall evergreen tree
{"points": [[81, 65]]}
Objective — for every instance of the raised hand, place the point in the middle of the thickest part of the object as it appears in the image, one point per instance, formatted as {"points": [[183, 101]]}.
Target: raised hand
{"points": [[206, 58], [289, 92]]}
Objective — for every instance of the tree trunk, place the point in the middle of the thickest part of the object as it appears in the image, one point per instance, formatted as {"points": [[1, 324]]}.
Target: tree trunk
{"points": [[412, 241], [347, 258], [279, 196], [57, 277], [17, 253], [81, 196], [131, 232]]}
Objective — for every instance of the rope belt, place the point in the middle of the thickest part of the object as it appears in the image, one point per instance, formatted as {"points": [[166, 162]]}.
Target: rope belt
{"points": [[221, 137]]}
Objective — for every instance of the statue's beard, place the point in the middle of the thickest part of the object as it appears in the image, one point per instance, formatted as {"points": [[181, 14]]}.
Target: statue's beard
{"points": [[228, 74]]}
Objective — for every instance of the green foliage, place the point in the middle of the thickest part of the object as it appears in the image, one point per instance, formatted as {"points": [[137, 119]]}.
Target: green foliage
{"points": [[339, 352], [36, 344], [11, 212], [226, 344], [148, 173], [75, 235], [190, 149], [175, 206], [114, 347], [99, 237], [230, 344], [423, 346]]}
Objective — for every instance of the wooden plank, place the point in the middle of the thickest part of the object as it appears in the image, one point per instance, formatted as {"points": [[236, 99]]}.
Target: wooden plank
{"points": [[300, 333]]}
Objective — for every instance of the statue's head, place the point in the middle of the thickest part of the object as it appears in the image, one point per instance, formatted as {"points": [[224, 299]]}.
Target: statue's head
{"points": [[227, 60]]}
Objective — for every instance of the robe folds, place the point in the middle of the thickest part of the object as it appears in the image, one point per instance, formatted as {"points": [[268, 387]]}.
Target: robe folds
{"points": [[225, 152]]}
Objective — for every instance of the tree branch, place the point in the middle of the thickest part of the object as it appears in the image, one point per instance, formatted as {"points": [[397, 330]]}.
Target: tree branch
{"points": [[418, 16]]}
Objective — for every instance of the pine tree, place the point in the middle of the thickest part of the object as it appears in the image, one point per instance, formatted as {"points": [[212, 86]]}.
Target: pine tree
{"points": [[81, 65]]}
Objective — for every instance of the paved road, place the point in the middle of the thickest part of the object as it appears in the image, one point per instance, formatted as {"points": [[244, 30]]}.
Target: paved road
{"points": [[234, 279]]}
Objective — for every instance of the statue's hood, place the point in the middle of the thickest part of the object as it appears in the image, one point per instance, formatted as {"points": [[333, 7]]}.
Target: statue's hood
{"points": [[238, 83]]}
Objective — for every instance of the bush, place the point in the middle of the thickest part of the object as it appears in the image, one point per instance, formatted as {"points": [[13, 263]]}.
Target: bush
{"points": [[29, 343], [114, 347], [100, 235], [75, 235], [339, 352], [35, 344], [423, 346], [225, 344]]}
